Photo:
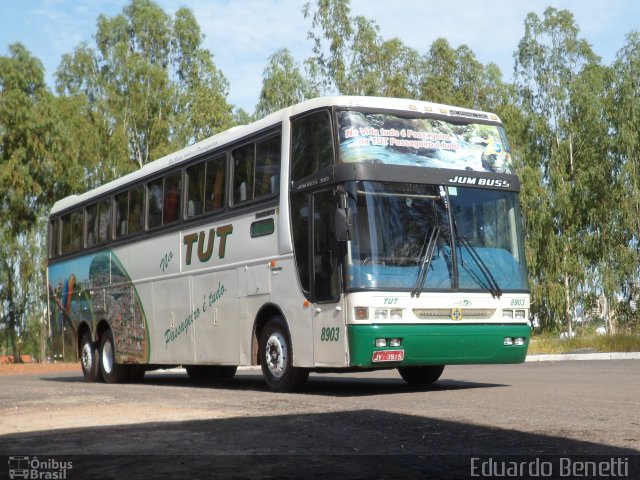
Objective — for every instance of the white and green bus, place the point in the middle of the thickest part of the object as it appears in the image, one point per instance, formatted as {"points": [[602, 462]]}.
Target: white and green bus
{"points": [[342, 233]]}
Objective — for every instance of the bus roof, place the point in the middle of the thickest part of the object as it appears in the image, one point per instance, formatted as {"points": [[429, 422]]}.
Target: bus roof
{"points": [[239, 132]]}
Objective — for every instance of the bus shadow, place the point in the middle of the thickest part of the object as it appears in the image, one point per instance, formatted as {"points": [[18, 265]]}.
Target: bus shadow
{"points": [[359, 444], [335, 385]]}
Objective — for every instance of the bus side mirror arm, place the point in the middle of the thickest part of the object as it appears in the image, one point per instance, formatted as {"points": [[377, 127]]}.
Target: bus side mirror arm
{"points": [[344, 224]]}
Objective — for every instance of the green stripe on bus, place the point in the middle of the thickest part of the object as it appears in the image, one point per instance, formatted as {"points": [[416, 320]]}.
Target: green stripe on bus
{"points": [[439, 344]]}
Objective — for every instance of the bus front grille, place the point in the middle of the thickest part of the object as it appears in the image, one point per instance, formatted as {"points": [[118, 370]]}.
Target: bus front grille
{"points": [[454, 313]]}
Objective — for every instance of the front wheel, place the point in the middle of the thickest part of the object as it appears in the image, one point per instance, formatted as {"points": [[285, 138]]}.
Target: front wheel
{"points": [[89, 359], [421, 375], [110, 370], [276, 358]]}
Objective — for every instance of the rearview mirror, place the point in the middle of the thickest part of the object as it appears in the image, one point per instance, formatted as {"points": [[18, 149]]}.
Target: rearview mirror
{"points": [[344, 224]]}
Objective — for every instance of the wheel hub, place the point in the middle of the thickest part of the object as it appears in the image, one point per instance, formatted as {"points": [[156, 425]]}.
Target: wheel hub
{"points": [[87, 356]]}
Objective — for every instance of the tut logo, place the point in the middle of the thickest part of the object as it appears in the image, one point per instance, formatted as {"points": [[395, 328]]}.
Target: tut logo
{"points": [[483, 182]]}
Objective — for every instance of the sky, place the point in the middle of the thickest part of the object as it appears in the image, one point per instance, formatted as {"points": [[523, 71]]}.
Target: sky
{"points": [[242, 34]]}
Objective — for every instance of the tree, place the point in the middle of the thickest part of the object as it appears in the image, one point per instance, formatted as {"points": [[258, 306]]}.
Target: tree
{"points": [[283, 84], [149, 86], [623, 112], [350, 56], [550, 58], [33, 169]]}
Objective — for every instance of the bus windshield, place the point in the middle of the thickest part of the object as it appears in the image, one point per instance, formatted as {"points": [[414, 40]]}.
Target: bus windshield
{"points": [[478, 245]]}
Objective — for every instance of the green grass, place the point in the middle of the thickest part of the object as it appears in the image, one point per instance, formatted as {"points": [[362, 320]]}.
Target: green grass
{"points": [[547, 344]]}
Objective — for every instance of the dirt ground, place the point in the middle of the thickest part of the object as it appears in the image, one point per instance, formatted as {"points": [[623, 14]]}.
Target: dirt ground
{"points": [[36, 368]]}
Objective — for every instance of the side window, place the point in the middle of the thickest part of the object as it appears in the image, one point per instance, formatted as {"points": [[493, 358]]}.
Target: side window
{"points": [[243, 163], [54, 238], [206, 186], [215, 183], [129, 212], [311, 144], [267, 176], [256, 170], [122, 209], [165, 196], [326, 272], [195, 179], [98, 223], [72, 224], [155, 194], [172, 198], [300, 231], [136, 209]]}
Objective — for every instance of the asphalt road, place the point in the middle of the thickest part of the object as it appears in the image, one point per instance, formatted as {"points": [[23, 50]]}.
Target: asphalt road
{"points": [[369, 425]]}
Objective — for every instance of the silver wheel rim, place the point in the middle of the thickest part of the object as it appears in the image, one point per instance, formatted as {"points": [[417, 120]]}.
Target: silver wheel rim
{"points": [[87, 357], [107, 357], [276, 354]]}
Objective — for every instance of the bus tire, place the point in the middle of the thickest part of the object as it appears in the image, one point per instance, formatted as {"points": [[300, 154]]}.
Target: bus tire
{"points": [[421, 375], [110, 370], [276, 358], [89, 359]]}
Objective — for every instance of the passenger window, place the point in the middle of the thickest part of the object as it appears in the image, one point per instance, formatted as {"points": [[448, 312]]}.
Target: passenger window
{"points": [[311, 144], [54, 238], [267, 176], [98, 223], [206, 186], [129, 212], [165, 195], [155, 194], [243, 166], [172, 198], [72, 226], [256, 170]]}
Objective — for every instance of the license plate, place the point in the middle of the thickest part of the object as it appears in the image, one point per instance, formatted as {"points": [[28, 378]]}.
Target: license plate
{"points": [[388, 356]]}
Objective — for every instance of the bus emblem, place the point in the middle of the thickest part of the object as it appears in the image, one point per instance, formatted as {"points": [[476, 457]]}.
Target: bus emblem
{"points": [[456, 314]]}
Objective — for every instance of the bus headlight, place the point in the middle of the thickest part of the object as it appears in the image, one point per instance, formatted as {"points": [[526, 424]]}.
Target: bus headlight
{"points": [[520, 314], [395, 314], [508, 314], [381, 342], [380, 314]]}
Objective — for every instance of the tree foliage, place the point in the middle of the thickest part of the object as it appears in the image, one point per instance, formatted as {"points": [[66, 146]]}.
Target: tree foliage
{"points": [[149, 86]]}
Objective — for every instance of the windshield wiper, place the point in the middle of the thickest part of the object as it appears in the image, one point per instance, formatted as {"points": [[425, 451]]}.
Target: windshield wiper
{"points": [[496, 292], [426, 254]]}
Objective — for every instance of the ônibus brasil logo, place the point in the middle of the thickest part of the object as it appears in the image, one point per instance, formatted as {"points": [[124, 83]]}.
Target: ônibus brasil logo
{"points": [[33, 468]]}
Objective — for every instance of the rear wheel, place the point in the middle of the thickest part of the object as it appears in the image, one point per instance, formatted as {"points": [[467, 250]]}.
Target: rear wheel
{"points": [[110, 370], [276, 358], [89, 358], [421, 375]]}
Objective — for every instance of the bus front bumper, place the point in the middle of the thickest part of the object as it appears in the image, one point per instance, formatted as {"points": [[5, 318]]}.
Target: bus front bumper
{"points": [[437, 344]]}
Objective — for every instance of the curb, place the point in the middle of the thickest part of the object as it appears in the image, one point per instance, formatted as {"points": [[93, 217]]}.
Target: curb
{"points": [[583, 356]]}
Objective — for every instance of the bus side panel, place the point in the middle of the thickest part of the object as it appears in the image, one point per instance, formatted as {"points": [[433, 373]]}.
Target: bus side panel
{"points": [[171, 326], [216, 317]]}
